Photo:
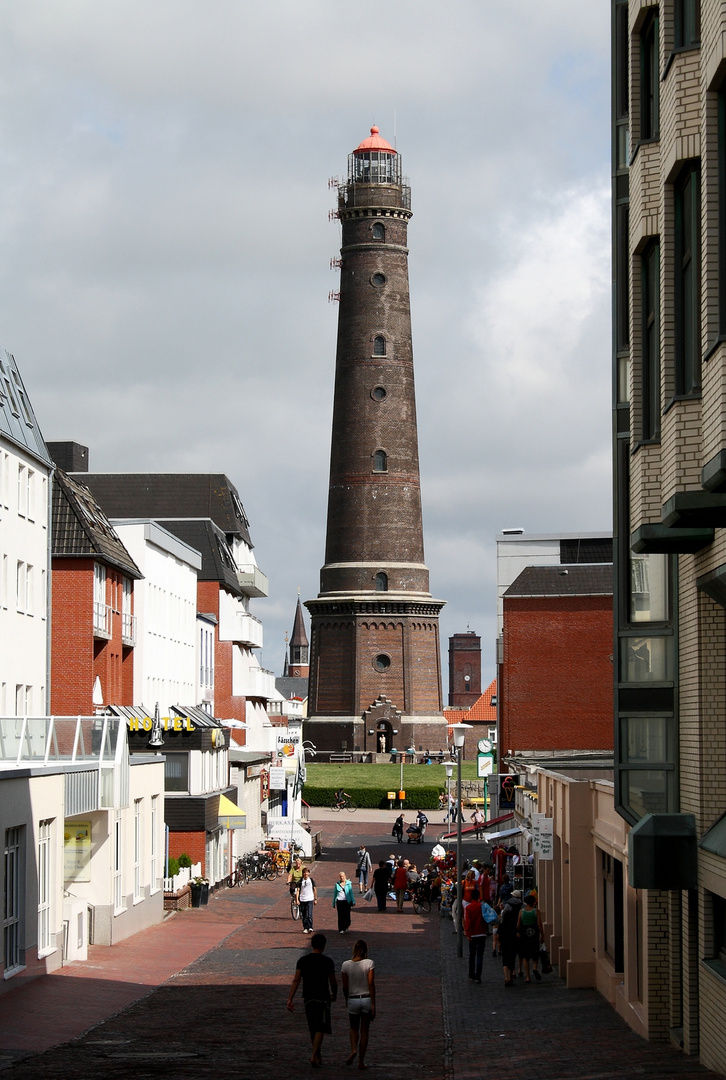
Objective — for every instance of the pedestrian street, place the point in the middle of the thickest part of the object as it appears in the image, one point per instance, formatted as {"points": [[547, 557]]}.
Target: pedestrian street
{"points": [[224, 1012]]}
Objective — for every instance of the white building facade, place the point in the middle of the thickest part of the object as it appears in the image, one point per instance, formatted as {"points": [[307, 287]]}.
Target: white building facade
{"points": [[165, 603], [25, 469]]}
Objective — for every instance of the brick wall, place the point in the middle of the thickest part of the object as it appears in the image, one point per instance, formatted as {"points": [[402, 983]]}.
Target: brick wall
{"points": [[77, 657], [556, 678], [192, 844]]}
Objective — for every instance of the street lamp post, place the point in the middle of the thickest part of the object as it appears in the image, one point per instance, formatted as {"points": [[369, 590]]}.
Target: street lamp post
{"points": [[459, 732], [449, 767]]}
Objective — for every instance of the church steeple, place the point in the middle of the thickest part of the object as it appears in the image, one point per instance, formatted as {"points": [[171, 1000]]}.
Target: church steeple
{"points": [[299, 646]]}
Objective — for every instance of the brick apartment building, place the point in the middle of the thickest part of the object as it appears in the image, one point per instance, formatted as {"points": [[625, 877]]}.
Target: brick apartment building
{"points": [[669, 424], [555, 684], [92, 618]]}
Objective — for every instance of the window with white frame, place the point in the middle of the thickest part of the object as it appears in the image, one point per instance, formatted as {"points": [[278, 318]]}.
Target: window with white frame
{"points": [[12, 900], [137, 849], [21, 585], [118, 896], [30, 494], [45, 937], [154, 841], [100, 607], [22, 490]]}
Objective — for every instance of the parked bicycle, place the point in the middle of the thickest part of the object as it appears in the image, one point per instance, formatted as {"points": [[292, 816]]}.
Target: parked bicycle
{"points": [[238, 877]]}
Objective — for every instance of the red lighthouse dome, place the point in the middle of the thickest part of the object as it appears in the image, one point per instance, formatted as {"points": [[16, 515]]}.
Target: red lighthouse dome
{"points": [[374, 161]]}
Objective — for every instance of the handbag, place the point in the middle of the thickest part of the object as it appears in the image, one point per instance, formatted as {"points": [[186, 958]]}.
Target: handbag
{"points": [[488, 913], [369, 895]]}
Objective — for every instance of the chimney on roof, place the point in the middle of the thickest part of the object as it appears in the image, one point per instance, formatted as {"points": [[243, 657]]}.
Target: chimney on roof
{"points": [[69, 456]]}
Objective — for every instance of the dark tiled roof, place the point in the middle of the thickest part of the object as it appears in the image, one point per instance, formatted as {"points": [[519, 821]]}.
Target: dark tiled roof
{"points": [[292, 686], [172, 495], [217, 560], [17, 419], [299, 637], [574, 580], [81, 529]]}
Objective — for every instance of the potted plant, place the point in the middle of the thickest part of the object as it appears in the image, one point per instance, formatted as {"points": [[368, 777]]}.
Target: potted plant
{"points": [[200, 891]]}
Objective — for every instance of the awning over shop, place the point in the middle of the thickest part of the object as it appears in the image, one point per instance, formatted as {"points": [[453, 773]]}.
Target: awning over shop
{"points": [[229, 814], [503, 834]]}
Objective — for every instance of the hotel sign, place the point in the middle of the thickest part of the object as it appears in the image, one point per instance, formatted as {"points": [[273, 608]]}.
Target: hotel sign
{"points": [[168, 723]]}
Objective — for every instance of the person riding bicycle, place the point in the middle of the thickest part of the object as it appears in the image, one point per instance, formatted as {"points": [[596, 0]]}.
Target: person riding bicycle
{"points": [[295, 876], [341, 797]]}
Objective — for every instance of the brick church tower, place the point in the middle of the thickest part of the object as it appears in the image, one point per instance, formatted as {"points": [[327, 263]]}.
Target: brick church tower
{"points": [[375, 669]]}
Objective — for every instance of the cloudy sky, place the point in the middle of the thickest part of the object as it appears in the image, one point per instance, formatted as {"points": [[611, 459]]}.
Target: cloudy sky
{"points": [[165, 249]]}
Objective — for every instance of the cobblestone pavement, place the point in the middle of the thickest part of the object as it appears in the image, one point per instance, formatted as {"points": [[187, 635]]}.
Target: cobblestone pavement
{"points": [[225, 1010]]}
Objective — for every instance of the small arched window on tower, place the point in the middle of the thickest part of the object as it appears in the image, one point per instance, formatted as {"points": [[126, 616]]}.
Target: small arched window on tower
{"points": [[380, 461], [379, 345], [381, 582], [379, 231]]}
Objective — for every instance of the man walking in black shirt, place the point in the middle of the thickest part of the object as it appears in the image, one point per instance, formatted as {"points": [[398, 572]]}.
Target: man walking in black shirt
{"points": [[319, 990]]}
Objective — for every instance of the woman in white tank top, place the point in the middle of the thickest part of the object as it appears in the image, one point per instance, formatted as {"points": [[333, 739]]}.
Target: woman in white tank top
{"points": [[359, 989]]}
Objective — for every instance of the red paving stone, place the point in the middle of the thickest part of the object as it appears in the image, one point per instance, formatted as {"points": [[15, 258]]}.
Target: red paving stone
{"points": [[204, 994]]}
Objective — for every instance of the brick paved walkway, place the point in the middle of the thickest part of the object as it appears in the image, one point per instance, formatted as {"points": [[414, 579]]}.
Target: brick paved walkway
{"points": [[222, 974]]}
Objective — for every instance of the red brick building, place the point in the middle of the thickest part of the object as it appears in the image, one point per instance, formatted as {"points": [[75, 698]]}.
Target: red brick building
{"points": [[464, 669], [556, 675], [93, 626]]}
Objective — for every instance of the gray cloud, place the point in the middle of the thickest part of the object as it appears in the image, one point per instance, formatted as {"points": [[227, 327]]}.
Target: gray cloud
{"points": [[165, 246]]}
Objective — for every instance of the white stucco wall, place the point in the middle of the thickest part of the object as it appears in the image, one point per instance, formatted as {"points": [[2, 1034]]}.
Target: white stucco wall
{"points": [[165, 606], [23, 619]]}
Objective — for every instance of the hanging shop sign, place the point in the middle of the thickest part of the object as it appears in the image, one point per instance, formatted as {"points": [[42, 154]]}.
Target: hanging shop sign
{"points": [[484, 765], [543, 836], [507, 791], [278, 779], [287, 743], [77, 851]]}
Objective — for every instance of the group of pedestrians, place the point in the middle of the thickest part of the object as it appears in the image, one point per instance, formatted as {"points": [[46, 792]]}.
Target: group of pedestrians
{"points": [[320, 989], [515, 924]]}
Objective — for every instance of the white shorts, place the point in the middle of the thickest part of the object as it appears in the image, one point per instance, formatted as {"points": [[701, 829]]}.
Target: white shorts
{"points": [[357, 1005]]}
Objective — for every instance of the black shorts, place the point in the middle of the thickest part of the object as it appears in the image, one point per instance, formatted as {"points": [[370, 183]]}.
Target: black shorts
{"points": [[318, 1017]]}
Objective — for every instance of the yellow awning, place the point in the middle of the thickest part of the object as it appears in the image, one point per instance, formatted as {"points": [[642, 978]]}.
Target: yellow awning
{"points": [[229, 814]]}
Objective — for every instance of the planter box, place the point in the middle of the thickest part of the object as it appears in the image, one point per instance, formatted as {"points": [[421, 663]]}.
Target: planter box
{"points": [[179, 900]]}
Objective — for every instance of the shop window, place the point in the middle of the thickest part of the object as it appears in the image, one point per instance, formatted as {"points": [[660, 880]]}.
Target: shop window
{"points": [[176, 772]]}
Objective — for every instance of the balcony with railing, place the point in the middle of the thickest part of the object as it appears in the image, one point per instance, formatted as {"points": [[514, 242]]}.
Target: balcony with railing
{"points": [[101, 620], [255, 682], [92, 749], [128, 628], [241, 627], [252, 581]]}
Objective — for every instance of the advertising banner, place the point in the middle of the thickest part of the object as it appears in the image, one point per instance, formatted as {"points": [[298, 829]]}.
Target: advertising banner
{"points": [[77, 851]]}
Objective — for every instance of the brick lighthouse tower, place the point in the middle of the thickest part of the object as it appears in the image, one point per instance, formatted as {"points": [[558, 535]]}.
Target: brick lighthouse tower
{"points": [[375, 669]]}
